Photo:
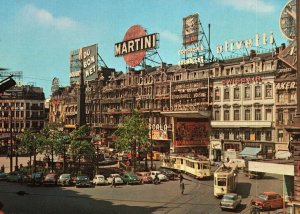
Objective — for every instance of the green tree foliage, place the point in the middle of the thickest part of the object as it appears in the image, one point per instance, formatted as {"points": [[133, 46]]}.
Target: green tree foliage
{"points": [[81, 145], [132, 133], [32, 143]]}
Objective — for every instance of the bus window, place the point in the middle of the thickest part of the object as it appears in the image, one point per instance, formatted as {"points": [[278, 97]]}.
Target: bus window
{"points": [[221, 181], [181, 161], [205, 166]]}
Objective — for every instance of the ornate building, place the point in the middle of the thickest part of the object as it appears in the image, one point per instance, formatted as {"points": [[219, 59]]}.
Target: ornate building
{"points": [[20, 107]]}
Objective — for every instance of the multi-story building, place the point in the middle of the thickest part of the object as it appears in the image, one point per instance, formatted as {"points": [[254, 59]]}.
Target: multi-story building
{"points": [[21, 107], [243, 108], [244, 104]]}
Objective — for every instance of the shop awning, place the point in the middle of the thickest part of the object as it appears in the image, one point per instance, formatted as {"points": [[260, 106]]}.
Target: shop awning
{"points": [[250, 152]]}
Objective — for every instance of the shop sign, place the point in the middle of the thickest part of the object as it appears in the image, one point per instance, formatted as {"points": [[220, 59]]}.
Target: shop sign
{"points": [[190, 29], [191, 142], [242, 80], [159, 135], [89, 56], [158, 127], [286, 85]]}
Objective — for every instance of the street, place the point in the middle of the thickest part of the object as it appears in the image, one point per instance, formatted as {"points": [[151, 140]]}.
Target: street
{"points": [[147, 198]]}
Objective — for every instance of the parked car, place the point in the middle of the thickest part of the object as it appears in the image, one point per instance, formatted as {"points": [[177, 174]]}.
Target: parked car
{"points": [[99, 180], [129, 178], [16, 176], [160, 176], [144, 177], [35, 179], [50, 179], [3, 176], [118, 179], [169, 173], [267, 201], [230, 201], [65, 180], [83, 181]]}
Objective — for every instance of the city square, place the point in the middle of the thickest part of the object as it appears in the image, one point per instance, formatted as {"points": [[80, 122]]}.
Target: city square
{"points": [[150, 107]]}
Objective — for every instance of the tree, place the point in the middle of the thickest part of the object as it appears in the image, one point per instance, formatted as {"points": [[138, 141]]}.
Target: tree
{"points": [[81, 145], [32, 144], [132, 133], [53, 138]]}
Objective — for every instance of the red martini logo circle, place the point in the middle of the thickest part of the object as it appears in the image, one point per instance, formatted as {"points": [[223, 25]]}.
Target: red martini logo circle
{"points": [[135, 44]]}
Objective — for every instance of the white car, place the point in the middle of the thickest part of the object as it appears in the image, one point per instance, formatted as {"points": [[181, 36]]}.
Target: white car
{"points": [[99, 180], [118, 179], [161, 176]]}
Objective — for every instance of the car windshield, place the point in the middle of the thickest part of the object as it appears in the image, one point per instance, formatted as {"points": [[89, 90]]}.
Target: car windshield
{"points": [[50, 176], [82, 178], [263, 196], [228, 198]]}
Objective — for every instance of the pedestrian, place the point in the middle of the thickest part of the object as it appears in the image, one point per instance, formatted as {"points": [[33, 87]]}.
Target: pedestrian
{"points": [[180, 177], [113, 182], [227, 159], [182, 187]]}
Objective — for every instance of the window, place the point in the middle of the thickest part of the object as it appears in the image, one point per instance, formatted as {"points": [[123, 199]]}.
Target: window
{"points": [[236, 93], [217, 134], [268, 115], [236, 135], [292, 96], [247, 92], [280, 135], [247, 135], [257, 91], [226, 94], [236, 115], [268, 135], [226, 115], [221, 181], [280, 117], [269, 91], [217, 115], [247, 114], [258, 135], [291, 115], [217, 94], [257, 114], [226, 135]]}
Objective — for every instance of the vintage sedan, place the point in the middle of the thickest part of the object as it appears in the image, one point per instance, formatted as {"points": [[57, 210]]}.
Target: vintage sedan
{"points": [[99, 180], [83, 181], [3, 176], [230, 201], [161, 177], [50, 179], [169, 173], [65, 180], [267, 201], [16, 176], [129, 178], [118, 179], [144, 177]]}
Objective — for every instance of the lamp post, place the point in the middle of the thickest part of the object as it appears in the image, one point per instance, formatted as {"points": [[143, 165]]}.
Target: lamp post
{"points": [[11, 139], [151, 141]]}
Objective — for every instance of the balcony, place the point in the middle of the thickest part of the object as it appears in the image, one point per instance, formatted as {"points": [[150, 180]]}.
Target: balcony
{"points": [[242, 124]]}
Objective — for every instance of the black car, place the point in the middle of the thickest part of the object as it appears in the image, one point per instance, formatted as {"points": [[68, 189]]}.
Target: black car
{"points": [[169, 173], [83, 181]]}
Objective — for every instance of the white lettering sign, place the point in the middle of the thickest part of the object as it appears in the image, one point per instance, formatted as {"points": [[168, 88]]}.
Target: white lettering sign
{"points": [[248, 43]]}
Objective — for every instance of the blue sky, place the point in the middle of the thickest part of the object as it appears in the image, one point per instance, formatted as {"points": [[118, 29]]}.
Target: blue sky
{"points": [[36, 36]]}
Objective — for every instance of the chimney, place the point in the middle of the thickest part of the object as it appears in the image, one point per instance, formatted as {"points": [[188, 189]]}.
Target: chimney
{"points": [[252, 54]]}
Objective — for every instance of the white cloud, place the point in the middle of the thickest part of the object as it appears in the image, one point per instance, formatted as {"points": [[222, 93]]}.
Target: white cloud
{"points": [[258, 6], [44, 17], [170, 36]]}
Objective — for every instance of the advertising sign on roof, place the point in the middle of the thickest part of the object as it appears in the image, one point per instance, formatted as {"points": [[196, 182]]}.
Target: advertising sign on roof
{"points": [[135, 44]]}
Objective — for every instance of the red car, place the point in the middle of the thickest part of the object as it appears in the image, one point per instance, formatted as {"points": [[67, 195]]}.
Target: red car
{"points": [[50, 179], [144, 177], [267, 201]]}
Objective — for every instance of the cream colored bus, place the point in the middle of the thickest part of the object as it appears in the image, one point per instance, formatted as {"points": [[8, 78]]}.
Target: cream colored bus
{"points": [[198, 167]]}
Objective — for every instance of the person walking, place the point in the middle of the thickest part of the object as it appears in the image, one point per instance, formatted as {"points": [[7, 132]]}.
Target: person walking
{"points": [[113, 182], [182, 188], [180, 178]]}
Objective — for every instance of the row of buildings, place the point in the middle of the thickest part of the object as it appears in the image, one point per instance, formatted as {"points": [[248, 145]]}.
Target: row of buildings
{"points": [[225, 105]]}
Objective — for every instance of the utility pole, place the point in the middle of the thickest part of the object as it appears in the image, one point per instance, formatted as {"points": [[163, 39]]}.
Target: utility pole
{"points": [[11, 139]]}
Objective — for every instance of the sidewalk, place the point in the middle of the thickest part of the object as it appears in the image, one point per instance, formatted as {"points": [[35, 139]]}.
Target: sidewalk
{"points": [[21, 160]]}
